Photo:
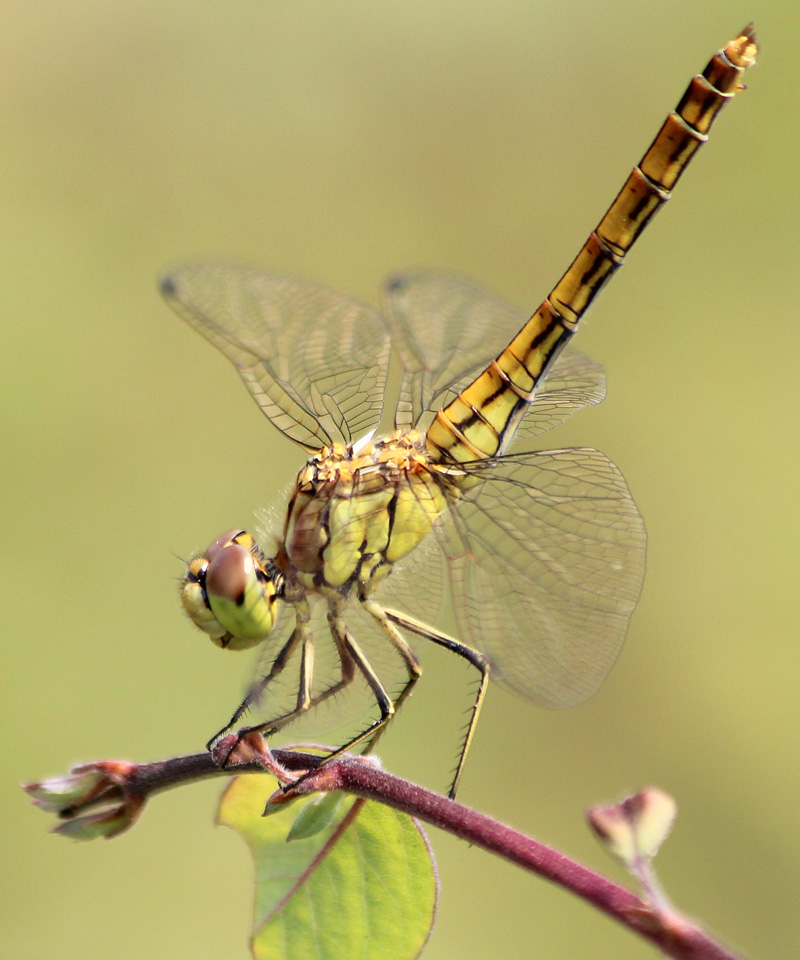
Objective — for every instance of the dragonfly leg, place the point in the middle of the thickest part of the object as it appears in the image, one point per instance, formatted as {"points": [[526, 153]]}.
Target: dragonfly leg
{"points": [[305, 699], [257, 689], [477, 659], [345, 641], [407, 655]]}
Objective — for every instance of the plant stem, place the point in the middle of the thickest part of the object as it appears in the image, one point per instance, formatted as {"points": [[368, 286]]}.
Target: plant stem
{"points": [[135, 783], [675, 936]]}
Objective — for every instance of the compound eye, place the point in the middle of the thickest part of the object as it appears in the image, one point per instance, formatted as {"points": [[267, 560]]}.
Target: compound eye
{"points": [[241, 596], [223, 541], [230, 569], [228, 594]]}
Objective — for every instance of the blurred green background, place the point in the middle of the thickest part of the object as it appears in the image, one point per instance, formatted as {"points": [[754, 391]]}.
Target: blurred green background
{"points": [[342, 140]]}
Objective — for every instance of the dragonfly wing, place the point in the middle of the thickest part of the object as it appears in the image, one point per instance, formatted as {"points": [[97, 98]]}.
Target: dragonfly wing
{"points": [[314, 360], [419, 583], [572, 383], [447, 329], [547, 559], [441, 324]]}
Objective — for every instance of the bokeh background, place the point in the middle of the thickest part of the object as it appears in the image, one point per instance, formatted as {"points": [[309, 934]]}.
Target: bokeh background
{"points": [[342, 140]]}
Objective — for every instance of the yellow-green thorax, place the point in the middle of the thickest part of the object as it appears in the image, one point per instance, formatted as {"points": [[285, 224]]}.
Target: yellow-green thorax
{"points": [[356, 511]]}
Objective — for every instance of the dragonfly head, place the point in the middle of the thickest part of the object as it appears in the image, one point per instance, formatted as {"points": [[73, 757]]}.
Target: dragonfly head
{"points": [[231, 591]]}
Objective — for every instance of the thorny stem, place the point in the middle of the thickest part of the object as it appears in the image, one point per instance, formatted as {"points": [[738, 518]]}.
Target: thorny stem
{"points": [[674, 935]]}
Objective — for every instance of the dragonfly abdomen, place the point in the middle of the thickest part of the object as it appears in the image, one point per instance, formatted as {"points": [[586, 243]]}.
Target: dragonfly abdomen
{"points": [[482, 419]]}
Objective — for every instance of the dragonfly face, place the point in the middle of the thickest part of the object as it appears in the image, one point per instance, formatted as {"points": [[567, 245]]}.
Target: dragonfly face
{"points": [[230, 593], [544, 551]]}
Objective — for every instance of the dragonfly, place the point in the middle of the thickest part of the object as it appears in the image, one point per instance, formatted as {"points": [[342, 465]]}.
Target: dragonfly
{"points": [[542, 553]]}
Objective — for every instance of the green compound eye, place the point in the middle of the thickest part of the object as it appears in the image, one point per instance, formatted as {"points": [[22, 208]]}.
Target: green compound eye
{"points": [[242, 601], [228, 594]]}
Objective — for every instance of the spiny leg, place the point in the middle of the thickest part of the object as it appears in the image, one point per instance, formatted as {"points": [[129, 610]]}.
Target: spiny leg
{"points": [[407, 655], [305, 700], [382, 698], [477, 659], [257, 690]]}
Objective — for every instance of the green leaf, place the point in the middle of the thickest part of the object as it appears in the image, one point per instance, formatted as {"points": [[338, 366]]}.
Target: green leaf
{"points": [[314, 816], [365, 887]]}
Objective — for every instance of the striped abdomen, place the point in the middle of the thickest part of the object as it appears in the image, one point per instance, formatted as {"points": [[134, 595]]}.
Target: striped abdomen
{"points": [[481, 421]]}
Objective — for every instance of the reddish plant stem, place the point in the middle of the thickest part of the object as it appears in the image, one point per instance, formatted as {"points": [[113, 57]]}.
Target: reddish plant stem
{"points": [[674, 935]]}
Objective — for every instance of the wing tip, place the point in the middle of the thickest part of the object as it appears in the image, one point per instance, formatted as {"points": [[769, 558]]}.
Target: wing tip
{"points": [[168, 286], [396, 282]]}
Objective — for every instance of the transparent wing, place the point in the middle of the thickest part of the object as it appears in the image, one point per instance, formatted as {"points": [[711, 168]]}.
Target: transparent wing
{"points": [[572, 383], [444, 327], [447, 330], [419, 583], [314, 360], [547, 559]]}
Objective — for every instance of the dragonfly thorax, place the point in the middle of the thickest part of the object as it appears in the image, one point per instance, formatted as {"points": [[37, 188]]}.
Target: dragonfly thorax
{"points": [[356, 512]]}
